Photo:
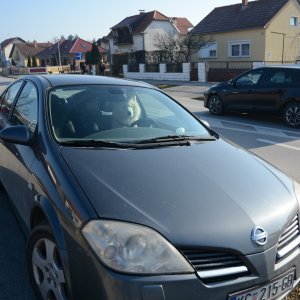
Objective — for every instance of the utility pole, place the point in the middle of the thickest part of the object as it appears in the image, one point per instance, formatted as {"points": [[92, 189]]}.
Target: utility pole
{"points": [[59, 61]]}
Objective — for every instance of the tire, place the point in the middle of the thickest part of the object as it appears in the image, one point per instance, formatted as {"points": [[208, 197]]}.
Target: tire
{"points": [[45, 267], [291, 115], [215, 105]]}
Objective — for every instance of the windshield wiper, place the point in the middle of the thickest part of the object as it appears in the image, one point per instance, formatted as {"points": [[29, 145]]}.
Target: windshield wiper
{"points": [[178, 139], [97, 143]]}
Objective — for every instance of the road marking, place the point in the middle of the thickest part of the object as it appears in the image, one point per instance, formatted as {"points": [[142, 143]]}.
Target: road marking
{"points": [[278, 144], [251, 128]]}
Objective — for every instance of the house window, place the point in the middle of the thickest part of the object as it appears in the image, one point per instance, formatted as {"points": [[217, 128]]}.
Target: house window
{"points": [[209, 50], [294, 21], [213, 53], [239, 49]]}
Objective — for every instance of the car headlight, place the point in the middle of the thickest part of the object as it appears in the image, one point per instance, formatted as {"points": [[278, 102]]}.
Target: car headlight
{"points": [[297, 190], [134, 248]]}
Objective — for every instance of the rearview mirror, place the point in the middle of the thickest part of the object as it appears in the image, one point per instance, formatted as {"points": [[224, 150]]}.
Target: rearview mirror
{"points": [[16, 134]]}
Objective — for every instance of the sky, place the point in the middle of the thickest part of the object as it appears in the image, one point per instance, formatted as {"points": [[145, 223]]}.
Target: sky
{"points": [[44, 20]]}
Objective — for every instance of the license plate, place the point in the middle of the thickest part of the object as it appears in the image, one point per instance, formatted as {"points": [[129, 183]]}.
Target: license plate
{"points": [[269, 291]]}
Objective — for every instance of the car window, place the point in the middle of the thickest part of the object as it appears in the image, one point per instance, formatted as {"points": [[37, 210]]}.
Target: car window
{"points": [[9, 98], [118, 114], [26, 109], [296, 78], [277, 77], [250, 78]]}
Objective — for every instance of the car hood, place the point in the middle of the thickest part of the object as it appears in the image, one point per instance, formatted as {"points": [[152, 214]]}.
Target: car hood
{"points": [[209, 194]]}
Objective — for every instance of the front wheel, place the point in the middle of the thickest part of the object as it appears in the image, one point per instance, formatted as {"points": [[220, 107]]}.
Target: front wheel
{"points": [[45, 267], [291, 115], [215, 105]]}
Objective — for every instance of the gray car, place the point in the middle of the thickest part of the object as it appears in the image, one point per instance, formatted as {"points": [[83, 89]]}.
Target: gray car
{"points": [[124, 194]]}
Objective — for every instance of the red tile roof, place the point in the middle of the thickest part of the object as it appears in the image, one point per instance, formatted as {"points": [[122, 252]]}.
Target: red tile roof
{"points": [[183, 25], [138, 23], [81, 45]]}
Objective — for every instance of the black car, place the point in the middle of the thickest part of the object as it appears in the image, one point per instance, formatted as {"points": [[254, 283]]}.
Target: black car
{"points": [[268, 89], [124, 194]]}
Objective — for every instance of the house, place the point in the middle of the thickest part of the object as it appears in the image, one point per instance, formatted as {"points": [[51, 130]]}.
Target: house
{"points": [[137, 32], [67, 52], [21, 53], [5, 50], [262, 30]]}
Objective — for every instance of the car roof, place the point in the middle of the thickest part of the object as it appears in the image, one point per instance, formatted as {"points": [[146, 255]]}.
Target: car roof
{"points": [[69, 79], [295, 66]]}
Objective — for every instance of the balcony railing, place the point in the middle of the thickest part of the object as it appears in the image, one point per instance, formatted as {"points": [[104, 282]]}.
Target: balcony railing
{"points": [[123, 40]]}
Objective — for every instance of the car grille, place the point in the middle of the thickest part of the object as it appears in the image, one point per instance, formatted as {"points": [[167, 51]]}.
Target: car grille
{"points": [[215, 266], [289, 239]]}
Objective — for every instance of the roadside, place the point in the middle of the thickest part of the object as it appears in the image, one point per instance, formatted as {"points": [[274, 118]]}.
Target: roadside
{"points": [[182, 89]]}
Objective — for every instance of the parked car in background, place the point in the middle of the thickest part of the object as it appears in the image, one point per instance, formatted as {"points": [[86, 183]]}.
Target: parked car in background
{"points": [[268, 89], [124, 194]]}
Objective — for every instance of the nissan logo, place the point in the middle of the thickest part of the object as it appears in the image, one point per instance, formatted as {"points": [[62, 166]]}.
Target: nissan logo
{"points": [[259, 236]]}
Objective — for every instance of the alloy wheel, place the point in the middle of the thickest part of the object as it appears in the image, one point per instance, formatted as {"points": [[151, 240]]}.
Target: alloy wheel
{"points": [[215, 105], [292, 115], [48, 270]]}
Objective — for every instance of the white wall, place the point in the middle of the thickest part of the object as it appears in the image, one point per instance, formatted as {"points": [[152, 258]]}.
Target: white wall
{"points": [[145, 41], [157, 27], [204, 51]]}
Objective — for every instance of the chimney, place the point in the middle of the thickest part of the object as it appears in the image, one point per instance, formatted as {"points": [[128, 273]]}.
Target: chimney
{"points": [[244, 2]]}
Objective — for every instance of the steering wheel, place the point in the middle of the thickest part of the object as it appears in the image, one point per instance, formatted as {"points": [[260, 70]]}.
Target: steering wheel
{"points": [[144, 122]]}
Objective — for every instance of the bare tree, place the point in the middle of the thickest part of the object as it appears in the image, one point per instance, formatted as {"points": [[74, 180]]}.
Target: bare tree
{"points": [[179, 48], [191, 44], [168, 44]]}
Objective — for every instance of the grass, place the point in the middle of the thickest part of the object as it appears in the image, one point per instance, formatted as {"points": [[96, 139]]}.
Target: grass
{"points": [[295, 295], [165, 86]]}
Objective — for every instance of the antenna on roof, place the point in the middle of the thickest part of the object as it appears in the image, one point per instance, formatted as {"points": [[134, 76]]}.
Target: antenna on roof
{"points": [[142, 11]]}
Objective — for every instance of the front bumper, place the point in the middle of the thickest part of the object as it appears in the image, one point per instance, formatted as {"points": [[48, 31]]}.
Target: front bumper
{"points": [[92, 280]]}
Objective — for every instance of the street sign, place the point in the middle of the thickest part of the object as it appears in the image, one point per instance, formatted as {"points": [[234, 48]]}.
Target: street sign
{"points": [[78, 55]]}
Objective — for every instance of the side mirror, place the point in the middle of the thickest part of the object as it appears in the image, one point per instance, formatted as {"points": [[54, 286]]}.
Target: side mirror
{"points": [[16, 134], [232, 82]]}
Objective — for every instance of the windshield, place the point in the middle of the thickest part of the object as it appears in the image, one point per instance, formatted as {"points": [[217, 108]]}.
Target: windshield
{"points": [[118, 114]]}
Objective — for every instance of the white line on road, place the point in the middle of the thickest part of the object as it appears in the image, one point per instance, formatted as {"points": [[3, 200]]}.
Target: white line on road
{"points": [[278, 144]]}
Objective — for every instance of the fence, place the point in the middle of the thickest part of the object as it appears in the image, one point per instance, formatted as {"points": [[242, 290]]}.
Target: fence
{"points": [[225, 70], [152, 68], [158, 72], [38, 70]]}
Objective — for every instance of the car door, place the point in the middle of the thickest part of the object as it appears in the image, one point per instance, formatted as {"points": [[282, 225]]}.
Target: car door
{"points": [[244, 86], [19, 158], [7, 100], [274, 84]]}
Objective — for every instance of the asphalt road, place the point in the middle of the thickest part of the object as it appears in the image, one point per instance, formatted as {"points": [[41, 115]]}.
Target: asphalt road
{"points": [[266, 137], [14, 282]]}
